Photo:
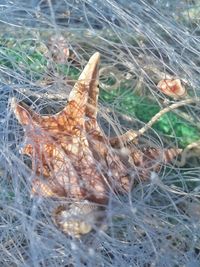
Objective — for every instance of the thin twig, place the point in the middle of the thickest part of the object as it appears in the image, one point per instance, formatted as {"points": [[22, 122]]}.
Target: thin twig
{"points": [[130, 135]]}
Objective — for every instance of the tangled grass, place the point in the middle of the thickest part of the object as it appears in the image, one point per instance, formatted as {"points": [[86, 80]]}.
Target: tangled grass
{"points": [[43, 47]]}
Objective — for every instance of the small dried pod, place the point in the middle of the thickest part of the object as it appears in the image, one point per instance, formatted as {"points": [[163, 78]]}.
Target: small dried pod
{"points": [[172, 88], [78, 218], [59, 49]]}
